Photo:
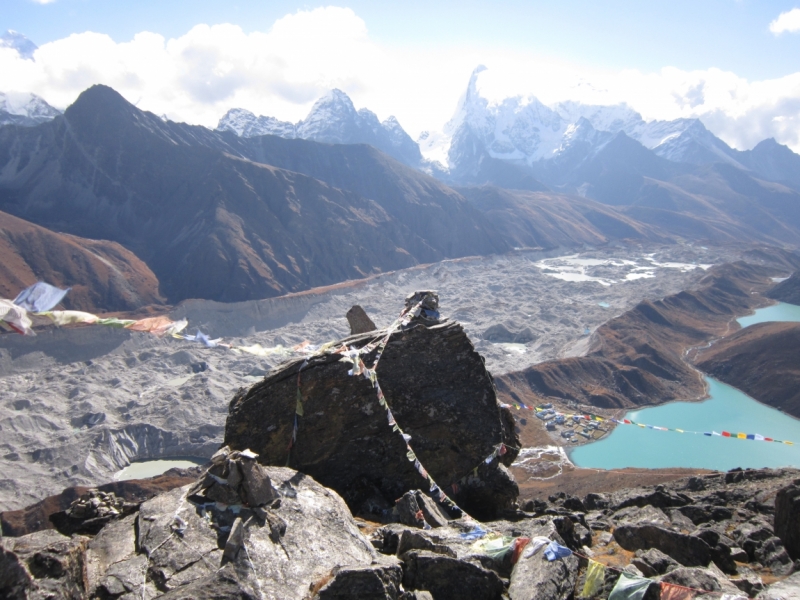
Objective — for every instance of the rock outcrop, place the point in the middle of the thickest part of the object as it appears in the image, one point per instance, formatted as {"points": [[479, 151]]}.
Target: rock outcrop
{"points": [[243, 531], [278, 534], [359, 321], [787, 518], [439, 392]]}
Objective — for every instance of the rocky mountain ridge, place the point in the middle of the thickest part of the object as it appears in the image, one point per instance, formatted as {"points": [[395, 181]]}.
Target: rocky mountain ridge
{"points": [[332, 120], [550, 141]]}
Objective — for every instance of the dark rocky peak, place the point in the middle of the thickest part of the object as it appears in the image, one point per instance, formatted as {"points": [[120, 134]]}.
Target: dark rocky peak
{"points": [[102, 116], [773, 161], [426, 417], [333, 119]]}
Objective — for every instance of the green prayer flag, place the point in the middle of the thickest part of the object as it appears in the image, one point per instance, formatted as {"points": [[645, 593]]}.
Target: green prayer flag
{"points": [[629, 587]]}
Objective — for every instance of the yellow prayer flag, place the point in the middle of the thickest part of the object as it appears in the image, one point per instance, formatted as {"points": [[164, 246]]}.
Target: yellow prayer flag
{"points": [[741, 436]]}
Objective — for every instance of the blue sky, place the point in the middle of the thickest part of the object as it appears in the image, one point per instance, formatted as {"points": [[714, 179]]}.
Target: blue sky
{"points": [[413, 59], [727, 34]]}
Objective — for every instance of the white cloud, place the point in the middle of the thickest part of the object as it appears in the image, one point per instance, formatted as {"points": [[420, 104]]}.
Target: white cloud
{"points": [[201, 74], [43, 1], [787, 21]]}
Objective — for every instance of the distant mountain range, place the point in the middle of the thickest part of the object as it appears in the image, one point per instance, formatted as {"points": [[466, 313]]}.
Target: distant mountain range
{"points": [[332, 120], [503, 143], [233, 215], [25, 109]]}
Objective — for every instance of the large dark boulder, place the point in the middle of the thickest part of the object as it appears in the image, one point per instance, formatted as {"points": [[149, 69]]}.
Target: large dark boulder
{"points": [[378, 582], [787, 518], [688, 550], [449, 578], [440, 394]]}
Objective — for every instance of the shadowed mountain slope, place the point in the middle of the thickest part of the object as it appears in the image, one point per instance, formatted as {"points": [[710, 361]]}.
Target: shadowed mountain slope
{"points": [[213, 224], [547, 220], [761, 360], [788, 290], [103, 275]]}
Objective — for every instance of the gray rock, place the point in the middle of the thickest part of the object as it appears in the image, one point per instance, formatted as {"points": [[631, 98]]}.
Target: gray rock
{"points": [[415, 504], [721, 546], [414, 540], [449, 578], [680, 521], [659, 497], [700, 579], [40, 565], [787, 518], [636, 515], [225, 583], [688, 550], [536, 577], [108, 556], [359, 321], [298, 541], [748, 581], [378, 582], [788, 589], [596, 501], [257, 486], [757, 538], [653, 562]]}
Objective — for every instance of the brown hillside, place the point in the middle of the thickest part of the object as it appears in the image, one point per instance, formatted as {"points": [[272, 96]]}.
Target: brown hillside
{"points": [[637, 358], [548, 220], [762, 360], [787, 291], [103, 275]]}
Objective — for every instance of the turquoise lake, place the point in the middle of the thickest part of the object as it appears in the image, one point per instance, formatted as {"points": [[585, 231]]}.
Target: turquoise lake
{"points": [[778, 312], [727, 409]]}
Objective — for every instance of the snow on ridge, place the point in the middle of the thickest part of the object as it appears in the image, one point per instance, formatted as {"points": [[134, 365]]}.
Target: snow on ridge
{"points": [[333, 119], [524, 130], [21, 108]]}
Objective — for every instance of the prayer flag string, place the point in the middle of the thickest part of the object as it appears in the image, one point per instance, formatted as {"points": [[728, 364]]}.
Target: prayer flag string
{"points": [[592, 417]]}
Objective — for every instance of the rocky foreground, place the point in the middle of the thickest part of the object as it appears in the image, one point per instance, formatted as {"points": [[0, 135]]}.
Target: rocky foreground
{"points": [[417, 502], [283, 535]]}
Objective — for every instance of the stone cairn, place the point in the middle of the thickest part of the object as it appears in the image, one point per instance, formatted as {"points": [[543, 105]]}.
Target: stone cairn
{"points": [[237, 490], [96, 504], [90, 512]]}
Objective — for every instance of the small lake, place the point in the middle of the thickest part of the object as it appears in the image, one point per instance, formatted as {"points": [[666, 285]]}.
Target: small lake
{"points": [[151, 468], [777, 312], [727, 409]]}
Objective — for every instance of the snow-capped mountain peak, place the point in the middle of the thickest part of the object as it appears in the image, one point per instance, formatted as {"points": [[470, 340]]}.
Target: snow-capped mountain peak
{"points": [[333, 119], [25, 109], [24, 47], [525, 131]]}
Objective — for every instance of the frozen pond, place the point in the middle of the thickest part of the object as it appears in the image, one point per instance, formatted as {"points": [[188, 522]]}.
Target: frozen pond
{"points": [[151, 468]]}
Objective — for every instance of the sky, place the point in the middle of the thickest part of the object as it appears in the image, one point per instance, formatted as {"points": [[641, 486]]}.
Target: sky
{"points": [[735, 64]]}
